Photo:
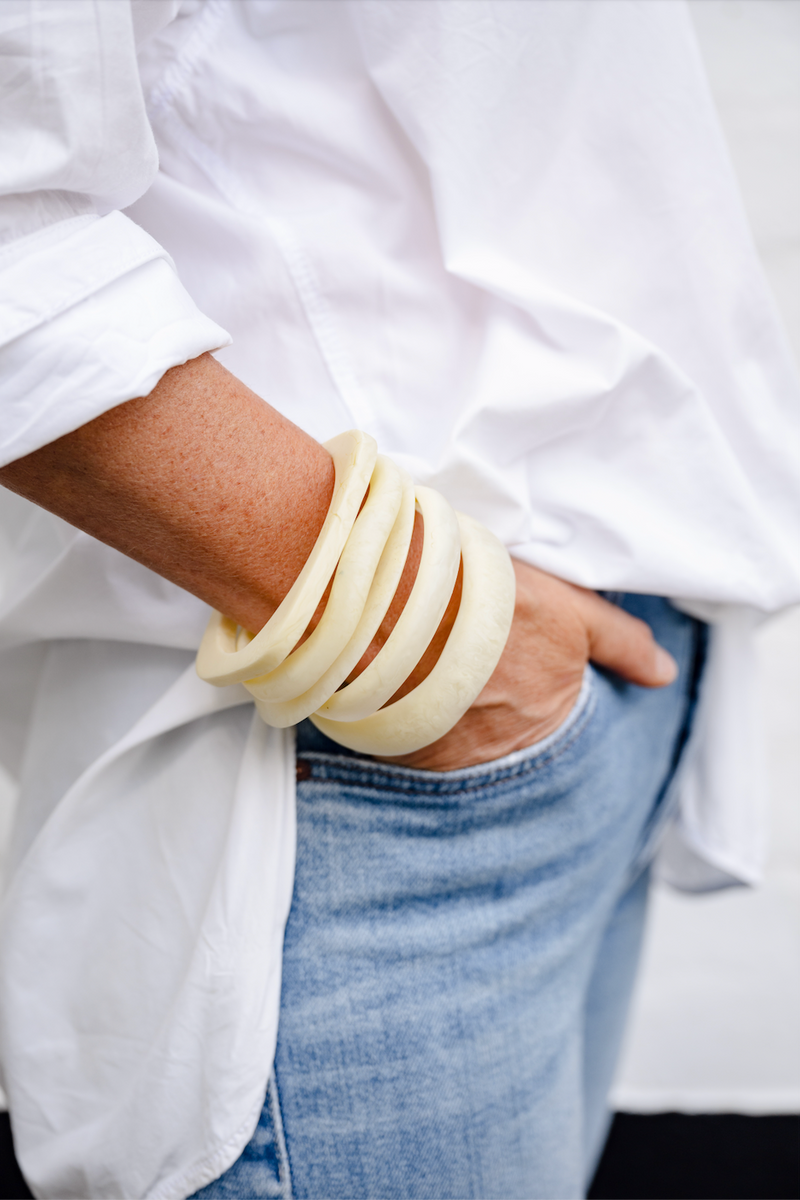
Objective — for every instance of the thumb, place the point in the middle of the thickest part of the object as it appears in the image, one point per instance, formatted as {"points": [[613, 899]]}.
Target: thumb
{"points": [[625, 644]]}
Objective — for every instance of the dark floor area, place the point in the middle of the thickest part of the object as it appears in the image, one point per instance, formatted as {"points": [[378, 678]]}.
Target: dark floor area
{"points": [[671, 1156], [668, 1156], [12, 1185]]}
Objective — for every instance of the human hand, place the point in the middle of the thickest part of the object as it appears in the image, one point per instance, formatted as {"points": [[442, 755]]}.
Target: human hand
{"points": [[557, 629]]}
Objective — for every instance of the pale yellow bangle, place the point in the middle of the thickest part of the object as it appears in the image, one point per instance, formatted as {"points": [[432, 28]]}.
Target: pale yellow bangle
{"points": [[469, 657], [417, 623], [307, 665], [384, 586], [365, 552], [220, 660]]}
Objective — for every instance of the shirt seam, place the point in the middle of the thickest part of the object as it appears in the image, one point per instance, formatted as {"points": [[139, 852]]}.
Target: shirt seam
{"points": [[88, 286], [44, 238], [207, 1169], [164, 94]]}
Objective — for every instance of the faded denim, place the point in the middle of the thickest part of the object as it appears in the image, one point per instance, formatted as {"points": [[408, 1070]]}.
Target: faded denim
{"points": [[460, 953]]}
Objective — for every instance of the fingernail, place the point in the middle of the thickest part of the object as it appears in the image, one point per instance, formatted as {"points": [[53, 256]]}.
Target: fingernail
{"points": [[666, 667]]}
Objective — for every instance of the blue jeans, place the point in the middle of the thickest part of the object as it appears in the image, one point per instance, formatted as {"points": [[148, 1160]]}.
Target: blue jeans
{"points": [[460, 953]]}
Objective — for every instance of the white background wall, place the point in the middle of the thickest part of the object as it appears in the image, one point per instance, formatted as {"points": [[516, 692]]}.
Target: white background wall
{"points": [[716, 1018], [715, 1023]]}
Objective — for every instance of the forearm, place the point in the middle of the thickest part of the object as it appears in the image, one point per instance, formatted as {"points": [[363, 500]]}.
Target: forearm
{"points": [[201, 481], [209, 486]]}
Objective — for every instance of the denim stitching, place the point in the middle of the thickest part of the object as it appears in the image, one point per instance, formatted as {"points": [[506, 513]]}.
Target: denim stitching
{"points": [[284, 1170], [330, 767]]}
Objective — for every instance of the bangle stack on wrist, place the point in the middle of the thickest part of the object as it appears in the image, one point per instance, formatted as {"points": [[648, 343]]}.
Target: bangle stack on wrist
{"points": [[364, 549]]}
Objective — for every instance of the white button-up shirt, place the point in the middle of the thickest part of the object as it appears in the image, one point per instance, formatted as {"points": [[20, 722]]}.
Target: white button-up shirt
{"points": [[502, 238]]}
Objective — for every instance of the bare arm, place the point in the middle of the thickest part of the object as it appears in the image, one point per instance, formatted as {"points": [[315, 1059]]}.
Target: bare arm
{"points": [[216, 491], [201, 481]]}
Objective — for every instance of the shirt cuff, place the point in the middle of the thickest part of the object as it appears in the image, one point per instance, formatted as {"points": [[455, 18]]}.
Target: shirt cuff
{"points": [[88, 320]]}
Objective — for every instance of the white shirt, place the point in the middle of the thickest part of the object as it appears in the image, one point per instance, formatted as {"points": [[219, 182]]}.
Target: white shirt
{"points": [[502, 238]]}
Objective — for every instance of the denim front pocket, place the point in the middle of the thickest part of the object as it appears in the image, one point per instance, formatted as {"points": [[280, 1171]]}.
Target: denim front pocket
{"points": [[319, 758]]}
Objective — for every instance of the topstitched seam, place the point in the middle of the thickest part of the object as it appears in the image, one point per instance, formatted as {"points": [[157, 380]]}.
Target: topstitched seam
{"points": [[284, 1167], [329, 768]]}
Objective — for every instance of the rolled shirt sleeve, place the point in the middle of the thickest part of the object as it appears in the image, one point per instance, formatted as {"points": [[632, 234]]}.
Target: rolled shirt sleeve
{"points": [[92, 312]]}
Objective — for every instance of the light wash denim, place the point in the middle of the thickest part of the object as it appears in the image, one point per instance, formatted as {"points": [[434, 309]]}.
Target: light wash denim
{"points": [[460, 954]]}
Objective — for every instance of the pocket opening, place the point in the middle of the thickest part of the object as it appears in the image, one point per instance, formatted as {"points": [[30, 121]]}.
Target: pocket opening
{"points": [[330, 764]]}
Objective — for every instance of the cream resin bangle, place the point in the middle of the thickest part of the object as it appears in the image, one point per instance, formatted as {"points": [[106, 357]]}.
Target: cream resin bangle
{"points": [[348, 596], [384, 586], [363, 548], [417, 623], [471, 653], [220, 660]]}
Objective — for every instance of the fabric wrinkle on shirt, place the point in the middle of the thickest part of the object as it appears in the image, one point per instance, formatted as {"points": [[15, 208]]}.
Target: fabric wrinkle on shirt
{"points": [[504, 240]]}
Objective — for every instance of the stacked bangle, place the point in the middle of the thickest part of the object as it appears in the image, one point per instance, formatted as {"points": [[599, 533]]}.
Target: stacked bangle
{"points": [[364, 550]]}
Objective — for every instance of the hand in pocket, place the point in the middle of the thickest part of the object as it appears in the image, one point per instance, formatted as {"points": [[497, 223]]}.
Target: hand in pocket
{"points": [[557, 629]]}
